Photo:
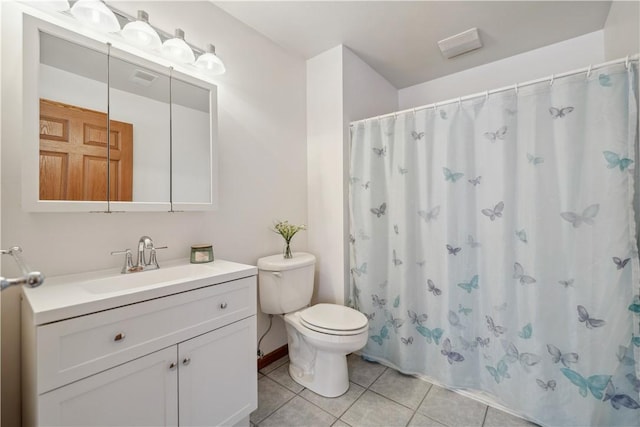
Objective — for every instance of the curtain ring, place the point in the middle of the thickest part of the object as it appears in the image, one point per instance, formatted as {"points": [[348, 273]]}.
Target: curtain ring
{"points": [[486, 96], [414, 112], [589, 71], [435, 106], [515, 87], [626, 62], [459, 102], [553, 76]]}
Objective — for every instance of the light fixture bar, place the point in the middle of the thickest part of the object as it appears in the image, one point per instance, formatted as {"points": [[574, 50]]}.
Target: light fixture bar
{"points": [[126, 18]]}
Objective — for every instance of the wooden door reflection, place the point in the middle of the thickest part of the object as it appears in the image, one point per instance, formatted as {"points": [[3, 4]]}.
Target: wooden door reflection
{"points": [[73, 155]]}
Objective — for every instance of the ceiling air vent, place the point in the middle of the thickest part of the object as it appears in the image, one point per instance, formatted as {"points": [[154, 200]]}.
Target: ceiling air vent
{"points": [[142, 78], [460, 43]]}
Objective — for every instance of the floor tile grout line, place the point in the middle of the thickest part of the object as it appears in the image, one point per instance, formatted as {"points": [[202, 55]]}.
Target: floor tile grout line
{"points": [[394, 401], [486, 412], [275, 410], [306, 400], [274, 365], [298, 394], [352, 403], [365, 388], [376, 378], [283, 385], [422, 401], [278, 407], [343, 412], [321, 408]]}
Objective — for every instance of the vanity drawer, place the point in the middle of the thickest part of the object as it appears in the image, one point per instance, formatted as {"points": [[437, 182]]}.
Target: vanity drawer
{"points": [[76, 348]]}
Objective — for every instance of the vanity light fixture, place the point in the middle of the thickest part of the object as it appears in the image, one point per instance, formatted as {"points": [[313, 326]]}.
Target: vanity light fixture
{"points": [[96, 14], [210, 62], [140, 33], [53, 5], [176, 49]]}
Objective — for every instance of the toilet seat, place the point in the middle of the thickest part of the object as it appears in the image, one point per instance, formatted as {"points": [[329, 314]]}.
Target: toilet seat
{"points": [[333, 319]]}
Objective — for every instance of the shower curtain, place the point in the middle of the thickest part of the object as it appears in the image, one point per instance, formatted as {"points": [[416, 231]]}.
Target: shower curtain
{"points": [[493, 246]]}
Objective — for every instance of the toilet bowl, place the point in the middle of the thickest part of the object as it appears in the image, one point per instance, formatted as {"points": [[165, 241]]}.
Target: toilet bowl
{"points": [[320, 336], [318, 355]]}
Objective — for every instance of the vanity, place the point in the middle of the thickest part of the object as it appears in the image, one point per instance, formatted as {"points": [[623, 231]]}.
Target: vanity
{"points": [[168, 347]]}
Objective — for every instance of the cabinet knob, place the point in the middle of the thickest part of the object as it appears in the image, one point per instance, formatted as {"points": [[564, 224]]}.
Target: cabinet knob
{"points": [[186, 361], [120, 337], [172, 366], [223, 305]]}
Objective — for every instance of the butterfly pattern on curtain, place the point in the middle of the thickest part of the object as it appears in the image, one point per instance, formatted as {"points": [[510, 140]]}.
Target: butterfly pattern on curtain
{"points": [[493, 246]]}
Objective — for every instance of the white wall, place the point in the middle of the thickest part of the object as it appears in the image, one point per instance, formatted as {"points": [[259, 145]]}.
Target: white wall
{"points": [[340, 88], [622, 30], [557, 58], [262, 132], [325, 173]]}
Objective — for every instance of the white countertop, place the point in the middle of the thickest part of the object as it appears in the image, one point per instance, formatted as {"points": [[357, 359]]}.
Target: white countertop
{"points": [[63, 297]]}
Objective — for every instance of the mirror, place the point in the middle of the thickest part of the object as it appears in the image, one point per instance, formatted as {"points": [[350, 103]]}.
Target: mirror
{"points": [[140, 127], [161, 123], [72, 97], [191, 153]]}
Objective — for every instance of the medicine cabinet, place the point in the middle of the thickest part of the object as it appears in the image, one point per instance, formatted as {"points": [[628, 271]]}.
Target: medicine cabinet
{"points": [[109, 129]]}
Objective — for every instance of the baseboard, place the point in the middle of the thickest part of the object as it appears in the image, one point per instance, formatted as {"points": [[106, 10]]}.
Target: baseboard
{"points": [[276, 354]]}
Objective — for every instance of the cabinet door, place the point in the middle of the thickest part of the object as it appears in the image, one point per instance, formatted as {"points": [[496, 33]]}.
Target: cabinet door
{"points": [[218, 378], [142, 392]]}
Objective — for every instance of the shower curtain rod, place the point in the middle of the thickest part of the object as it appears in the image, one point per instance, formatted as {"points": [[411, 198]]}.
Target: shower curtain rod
{"points": [[628, 59]]}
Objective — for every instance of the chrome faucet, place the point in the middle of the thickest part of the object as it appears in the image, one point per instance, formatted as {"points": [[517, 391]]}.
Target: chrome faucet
{"points": [[141, 264], [145, 242]]}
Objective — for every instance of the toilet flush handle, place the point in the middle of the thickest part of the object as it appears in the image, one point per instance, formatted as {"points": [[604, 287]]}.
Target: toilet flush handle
{"points": [[276, 273]]}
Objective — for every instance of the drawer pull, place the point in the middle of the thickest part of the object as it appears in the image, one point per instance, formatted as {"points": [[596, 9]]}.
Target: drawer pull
{"points": [[186, 361], [120, 337], [223, 305], [172, 366]]}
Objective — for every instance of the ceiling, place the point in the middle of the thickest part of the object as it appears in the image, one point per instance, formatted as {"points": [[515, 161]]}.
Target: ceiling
{"points": [[399, 38]]}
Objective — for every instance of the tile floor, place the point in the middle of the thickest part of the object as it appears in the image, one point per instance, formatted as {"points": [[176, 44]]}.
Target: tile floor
{"points": [[377, 396]]}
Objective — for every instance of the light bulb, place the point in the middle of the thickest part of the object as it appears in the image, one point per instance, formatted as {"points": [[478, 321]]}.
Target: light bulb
{"points": [[177, 49], [96, 14], [141, 33], [210, 62]]}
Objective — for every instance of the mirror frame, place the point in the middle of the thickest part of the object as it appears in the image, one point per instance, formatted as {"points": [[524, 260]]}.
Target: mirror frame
{"points": [[67, 28], [213, 152]]}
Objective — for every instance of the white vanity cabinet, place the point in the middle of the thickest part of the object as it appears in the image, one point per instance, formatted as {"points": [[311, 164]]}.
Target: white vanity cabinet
{"points": [[173, 353], [141, 392]]}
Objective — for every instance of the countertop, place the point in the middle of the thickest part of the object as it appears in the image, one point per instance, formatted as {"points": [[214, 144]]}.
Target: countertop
{"points": [[64, 297]]}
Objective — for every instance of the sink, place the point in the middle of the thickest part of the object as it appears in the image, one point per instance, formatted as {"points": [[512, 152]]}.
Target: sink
{"points": [[67, 296], [160, 277]]}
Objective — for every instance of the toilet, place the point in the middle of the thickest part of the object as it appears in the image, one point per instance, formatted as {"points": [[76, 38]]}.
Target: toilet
{"points": [[319, 336]]}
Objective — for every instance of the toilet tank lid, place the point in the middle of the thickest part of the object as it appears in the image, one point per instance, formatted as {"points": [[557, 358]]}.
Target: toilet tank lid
{"points": [[280, 263]]}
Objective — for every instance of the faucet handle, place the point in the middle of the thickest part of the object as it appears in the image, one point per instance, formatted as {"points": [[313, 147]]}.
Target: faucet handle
{"points": [[126, 251], [153, 260], [128, 260]]}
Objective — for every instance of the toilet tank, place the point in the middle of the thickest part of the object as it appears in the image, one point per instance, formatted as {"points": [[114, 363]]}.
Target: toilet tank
{"points": [[285, 285]]}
